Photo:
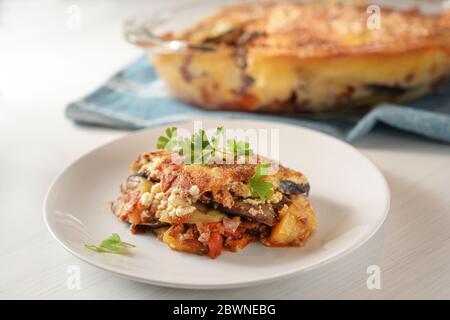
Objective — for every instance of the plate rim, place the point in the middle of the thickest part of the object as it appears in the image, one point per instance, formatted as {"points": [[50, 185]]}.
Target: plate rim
{"points": [[230, 285]]}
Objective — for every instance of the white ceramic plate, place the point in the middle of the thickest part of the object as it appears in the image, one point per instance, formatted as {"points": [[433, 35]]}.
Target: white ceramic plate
{"points": [[349, 194]]}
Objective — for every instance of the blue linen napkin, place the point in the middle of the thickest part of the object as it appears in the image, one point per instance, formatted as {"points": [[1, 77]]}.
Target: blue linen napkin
{"points": [[135, 98]]}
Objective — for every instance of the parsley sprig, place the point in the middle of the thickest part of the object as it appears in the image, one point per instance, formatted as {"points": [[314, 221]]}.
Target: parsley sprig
{"points": [[169, 141], [199, 148], [239, 148], [261, 188], [112, 244]]}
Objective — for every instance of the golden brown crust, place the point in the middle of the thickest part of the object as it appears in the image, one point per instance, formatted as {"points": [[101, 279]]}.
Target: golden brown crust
{"points": [[320, 29], [220, 181], [307, 57]]}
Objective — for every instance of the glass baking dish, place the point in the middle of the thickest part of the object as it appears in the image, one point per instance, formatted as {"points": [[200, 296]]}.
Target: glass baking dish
{"points": [[299, 80]]}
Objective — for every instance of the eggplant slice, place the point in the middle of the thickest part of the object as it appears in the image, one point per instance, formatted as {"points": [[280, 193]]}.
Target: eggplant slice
{"points": [[262, 213], [289, 187]]}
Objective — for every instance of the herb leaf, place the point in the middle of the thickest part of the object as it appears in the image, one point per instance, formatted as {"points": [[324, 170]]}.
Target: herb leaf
{"points": [[197, 149], [201, 149], [239, 148], [168, 142], [261, 188], [215, 139], [112, 244]]}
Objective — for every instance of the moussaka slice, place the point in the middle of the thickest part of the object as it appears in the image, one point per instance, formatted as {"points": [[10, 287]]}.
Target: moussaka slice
{"points": [[203, 208]]}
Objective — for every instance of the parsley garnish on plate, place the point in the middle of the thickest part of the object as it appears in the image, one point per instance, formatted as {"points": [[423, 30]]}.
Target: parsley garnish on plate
{"points": [[199, 148], [169, 141], [261, 188], [239, 148], [112, 244]]}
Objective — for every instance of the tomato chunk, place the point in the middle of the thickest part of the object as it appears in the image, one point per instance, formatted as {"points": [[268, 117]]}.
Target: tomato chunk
{"points": [[215, 243]]}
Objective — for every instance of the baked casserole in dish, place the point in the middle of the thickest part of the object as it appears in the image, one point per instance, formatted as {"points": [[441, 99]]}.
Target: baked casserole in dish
{"points": [[287, 57], [205, 207]]}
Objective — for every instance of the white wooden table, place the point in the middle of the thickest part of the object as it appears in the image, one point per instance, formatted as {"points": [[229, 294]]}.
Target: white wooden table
{"points": [[44, 65]]}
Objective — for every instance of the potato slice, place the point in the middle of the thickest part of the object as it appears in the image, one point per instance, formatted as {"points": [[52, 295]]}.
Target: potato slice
{"points": [[210, 216], [176, 243], [296, 224]]}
